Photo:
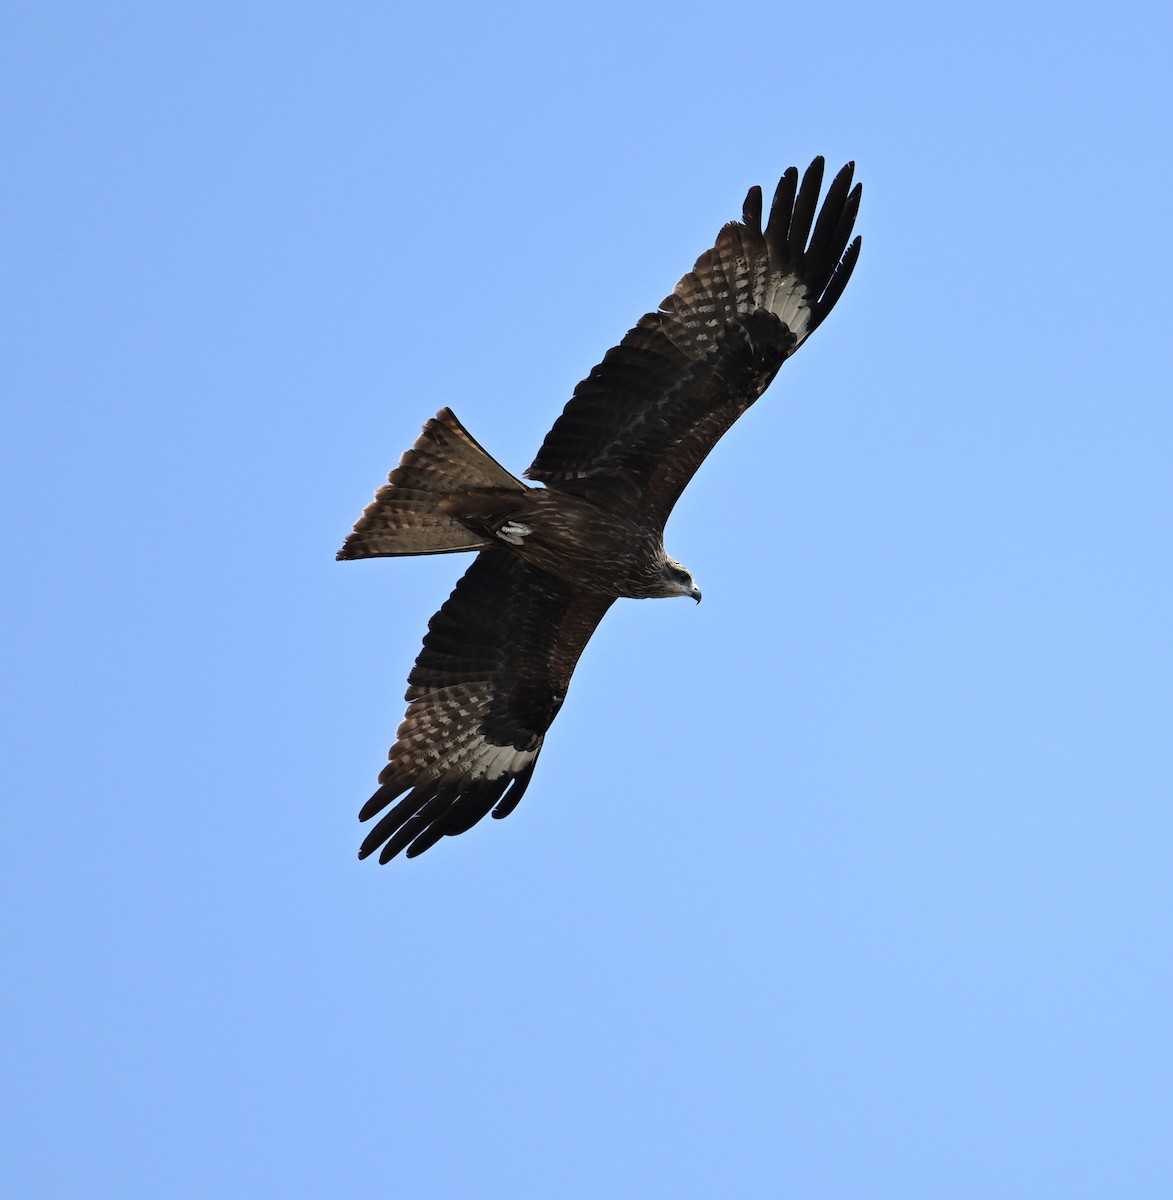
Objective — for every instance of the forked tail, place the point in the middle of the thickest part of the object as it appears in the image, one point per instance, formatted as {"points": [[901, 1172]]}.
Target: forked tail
{"points": [[405, 517]]}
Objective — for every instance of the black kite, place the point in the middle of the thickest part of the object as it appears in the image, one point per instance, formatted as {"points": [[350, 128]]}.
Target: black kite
{"points": [[498, 656]]}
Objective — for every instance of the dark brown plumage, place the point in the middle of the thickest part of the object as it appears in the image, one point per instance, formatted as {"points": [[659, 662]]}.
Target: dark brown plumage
{"points": [[499, 654]]}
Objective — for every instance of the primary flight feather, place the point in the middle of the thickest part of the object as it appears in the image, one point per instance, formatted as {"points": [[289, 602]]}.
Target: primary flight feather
{"points": [[498, 656]]}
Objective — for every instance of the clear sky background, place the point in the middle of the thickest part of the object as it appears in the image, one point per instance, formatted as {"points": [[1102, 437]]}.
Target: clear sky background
{"points": [[854, 881]]}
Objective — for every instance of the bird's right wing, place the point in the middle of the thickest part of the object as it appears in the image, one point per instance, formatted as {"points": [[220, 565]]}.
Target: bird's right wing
{"points": [[488, 682], [646, 417]]}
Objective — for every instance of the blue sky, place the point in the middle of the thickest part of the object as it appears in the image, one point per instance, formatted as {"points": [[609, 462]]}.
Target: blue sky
{"points": [[853, 881]]}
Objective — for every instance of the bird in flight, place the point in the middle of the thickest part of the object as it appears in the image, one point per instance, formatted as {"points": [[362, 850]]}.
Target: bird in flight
{"points": [[550, 560]]}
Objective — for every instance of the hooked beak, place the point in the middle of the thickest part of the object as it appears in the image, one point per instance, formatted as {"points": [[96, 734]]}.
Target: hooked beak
{"points": [[696, 594]]}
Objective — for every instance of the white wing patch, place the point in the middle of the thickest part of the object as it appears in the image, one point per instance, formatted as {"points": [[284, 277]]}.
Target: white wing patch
{"points": [[785, 297], [514, 532], [491, 762], [441, 731]]}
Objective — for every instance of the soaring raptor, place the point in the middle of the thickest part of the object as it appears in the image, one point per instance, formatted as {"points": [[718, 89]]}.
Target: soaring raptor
{"points": [[551, 560]]}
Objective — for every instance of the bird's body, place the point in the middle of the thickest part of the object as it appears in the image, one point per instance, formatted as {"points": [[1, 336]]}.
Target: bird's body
{"points": [[601, 550], [551, 560]]}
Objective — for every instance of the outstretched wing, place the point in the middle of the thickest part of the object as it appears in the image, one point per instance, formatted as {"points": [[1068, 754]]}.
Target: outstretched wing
{"points": [[489, 680], [651, 411]]}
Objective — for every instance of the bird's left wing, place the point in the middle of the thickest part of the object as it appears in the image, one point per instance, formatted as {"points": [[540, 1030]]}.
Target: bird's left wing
{"points": [[646, 417], [488, 682]]}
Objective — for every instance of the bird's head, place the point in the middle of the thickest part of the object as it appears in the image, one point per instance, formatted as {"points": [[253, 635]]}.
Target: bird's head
{"points": [[679, 580]]}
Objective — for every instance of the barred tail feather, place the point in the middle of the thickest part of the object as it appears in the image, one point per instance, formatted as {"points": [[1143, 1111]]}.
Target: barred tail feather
{"points": [[406, 515]]}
